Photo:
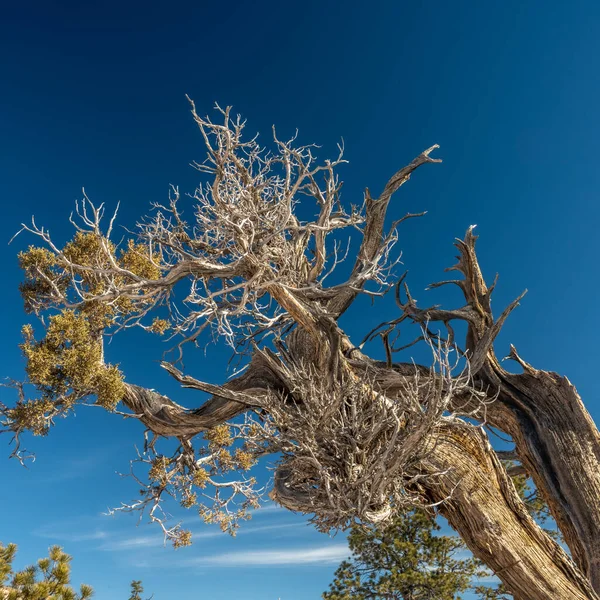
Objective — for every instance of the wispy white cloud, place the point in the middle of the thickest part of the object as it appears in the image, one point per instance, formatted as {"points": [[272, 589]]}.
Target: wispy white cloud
{"points": [[322, 555], [79, 528], [487, 580], [259, 529], [76, 467], [133, 542], [72, 537], [243, 530], [158, 539], [268, 507]]}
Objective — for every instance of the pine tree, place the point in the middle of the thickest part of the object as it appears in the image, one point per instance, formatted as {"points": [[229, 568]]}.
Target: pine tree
{"points": [[48, 580], [408, 560], [137, 589]]}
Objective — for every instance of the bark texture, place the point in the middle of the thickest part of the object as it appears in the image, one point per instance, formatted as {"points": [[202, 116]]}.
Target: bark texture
{"points": [[484, 507]]}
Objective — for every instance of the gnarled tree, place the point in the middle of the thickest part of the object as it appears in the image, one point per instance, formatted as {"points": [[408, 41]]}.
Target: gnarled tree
{"points": [[356, 438]]}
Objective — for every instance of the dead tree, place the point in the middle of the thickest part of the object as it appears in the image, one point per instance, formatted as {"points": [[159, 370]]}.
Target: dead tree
{"points": [[358, 438]]}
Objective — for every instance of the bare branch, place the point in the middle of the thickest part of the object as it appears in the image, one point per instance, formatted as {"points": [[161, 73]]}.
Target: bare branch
{"points": [[376, 210]]}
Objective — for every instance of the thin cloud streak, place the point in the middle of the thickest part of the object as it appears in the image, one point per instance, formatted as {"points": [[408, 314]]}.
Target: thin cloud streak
{"points": [[265, 558], [158, 540], [133, 542], [68, 468], [270, 507], [72, 537], [258, 529]]}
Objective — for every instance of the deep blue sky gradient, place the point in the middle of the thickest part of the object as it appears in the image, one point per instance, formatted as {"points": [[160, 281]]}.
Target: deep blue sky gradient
{"points": [[93, 95]]}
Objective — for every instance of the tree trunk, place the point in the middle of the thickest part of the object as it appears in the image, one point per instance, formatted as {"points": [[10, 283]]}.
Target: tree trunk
{"points": [[559, 446], [482, 505]]}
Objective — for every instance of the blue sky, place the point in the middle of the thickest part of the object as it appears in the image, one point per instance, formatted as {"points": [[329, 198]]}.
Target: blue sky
{"points": [[93, 95]]}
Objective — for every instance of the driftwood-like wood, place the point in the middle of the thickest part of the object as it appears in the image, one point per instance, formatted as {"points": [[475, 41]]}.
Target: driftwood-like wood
{"points": [[359, 438]]}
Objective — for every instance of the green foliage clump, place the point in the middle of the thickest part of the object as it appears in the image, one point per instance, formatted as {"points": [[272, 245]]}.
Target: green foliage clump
{"points": [[218, 437], [88, 249], [66, 358], [108, 386], [39, 265], [182, 539], [159, 326], [48, 580], [158, 470], [88, 257], [138, 259], [68, 361], [67, 364], [408, 560], [200, 477]]}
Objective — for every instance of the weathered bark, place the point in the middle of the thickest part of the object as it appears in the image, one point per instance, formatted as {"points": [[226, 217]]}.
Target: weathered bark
{"points": [[167, 418], [481, 503], [555, 439], [559, 446], [475, 495], [376, 210]]}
